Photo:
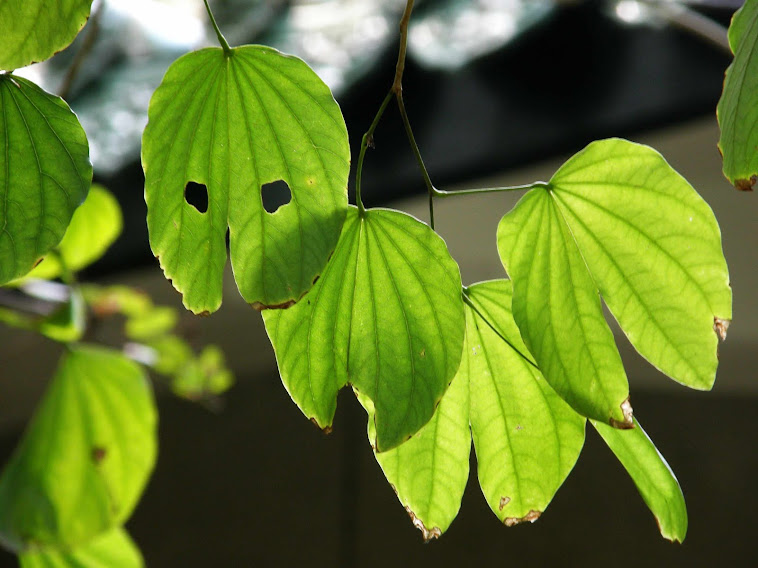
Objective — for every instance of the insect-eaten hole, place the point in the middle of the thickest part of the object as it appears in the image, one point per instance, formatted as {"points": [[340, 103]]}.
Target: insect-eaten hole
{"points": [[196, 194], [274, 195]]}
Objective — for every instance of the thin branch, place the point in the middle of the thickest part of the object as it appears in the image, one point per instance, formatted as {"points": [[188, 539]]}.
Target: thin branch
{"points": [[442, 193], [366, 142], [693, 22], [87, 44], [397, 84], [221, 38]]}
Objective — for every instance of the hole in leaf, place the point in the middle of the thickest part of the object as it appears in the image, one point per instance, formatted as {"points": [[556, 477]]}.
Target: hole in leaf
{"points": [[274, 195], [196, 194]]}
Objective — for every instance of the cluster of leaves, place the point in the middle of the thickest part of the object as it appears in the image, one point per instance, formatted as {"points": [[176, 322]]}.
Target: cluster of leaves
{"points": [[366, 298]]}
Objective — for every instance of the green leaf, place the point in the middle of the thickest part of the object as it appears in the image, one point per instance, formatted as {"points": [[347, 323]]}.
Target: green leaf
{"points": [[45, 173], [652, 475], [85, 457], [527, 439], [94, 227], [737, 109], [68, 322], [618, 221], [34, 30], [158, 321], [386, 316], [113, 549], [233, 124]]}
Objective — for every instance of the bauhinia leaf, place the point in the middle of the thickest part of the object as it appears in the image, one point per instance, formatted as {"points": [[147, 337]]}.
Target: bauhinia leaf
{"points": [[233, 123], [93, 228], [45, 173], [737, 110], [616, 220], [85, 457], [34, 30], [527, 439], [386, 316], [113, 549], [652, 475]]}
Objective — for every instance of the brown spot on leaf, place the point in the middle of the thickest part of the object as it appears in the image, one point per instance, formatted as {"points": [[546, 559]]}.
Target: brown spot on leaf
{"points": [[258, 306], [316, 279], [98, 454], [427, 534], [746, 184], [36, 264], [720, 326], [503, 502], [530, 517], [628, 422]]}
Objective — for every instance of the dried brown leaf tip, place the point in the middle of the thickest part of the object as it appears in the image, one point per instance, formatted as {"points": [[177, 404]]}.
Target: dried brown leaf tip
{"points": [[746, 184], [326, 429], [503, 502], [628, 422], [427, 534], [530, 517], [720, 326]]}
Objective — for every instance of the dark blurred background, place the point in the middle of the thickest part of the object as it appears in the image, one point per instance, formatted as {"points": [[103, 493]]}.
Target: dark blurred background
{"points": [[499, 92]]}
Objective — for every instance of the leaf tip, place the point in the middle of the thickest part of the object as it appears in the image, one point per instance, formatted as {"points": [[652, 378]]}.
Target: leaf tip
{"points": [[720, 326], [628, 422], [530, 517], [325, 429], [746, 184], [427, 534]]}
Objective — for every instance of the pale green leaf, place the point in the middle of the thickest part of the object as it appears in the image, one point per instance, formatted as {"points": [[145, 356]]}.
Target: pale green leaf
{"points": [[616, 220], [67, 323], [652, 475], [737, 109], [34, 30], [234, 123], [45, 173], [386, 316], [557, 308], [93, 228], [114, 549], [159, 320], [527, 439], [653, 247], [86, 455]]}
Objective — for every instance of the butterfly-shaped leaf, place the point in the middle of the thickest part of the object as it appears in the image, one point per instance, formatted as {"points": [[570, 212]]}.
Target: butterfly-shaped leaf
{"points": [[86, 455], [34, 30], [737, 110], [527, 439], [616, 221], [234, 123], [113, 549], [386, 316], [45, 173]]}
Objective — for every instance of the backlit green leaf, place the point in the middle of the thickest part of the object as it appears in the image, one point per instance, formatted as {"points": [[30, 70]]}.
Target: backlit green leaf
{"points": [[737, 110], [616, 221], [527, 439], [652, 475], [45, 173], [233, 123], [113, 549], [94, 226], [34, 30], [386, 316], [85, 457]]}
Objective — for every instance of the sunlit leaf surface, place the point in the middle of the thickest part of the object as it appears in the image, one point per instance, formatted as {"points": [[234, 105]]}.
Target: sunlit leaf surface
{"points": [[114, 549], [86, 455], [233, 124], [386, 316], [45, 173], [738, 107], [527, 439], [34, 30], [652, 476], [94, 226], [616, 222]]}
